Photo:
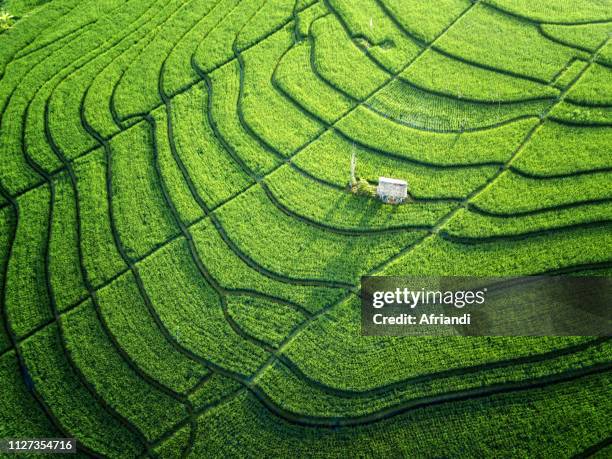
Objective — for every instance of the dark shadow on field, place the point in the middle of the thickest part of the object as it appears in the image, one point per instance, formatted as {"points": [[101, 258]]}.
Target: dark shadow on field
{"points": [[370, 207]]}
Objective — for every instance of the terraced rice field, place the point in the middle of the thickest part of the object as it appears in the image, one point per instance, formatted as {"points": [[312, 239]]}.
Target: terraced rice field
{"points": [[180, 256]]}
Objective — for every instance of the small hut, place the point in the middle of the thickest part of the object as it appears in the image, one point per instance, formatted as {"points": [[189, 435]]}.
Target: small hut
{"points": [[392, 191]]}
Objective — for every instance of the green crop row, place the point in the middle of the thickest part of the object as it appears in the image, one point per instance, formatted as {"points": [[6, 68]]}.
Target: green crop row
{"points": [[100, 256], [26, 75], [415, 107], [587, 36], [135, 330], [558, 10], [490, 145], [605, 54], [179, 193], [591, 89], [16, 174], [234, 274], [142, 404], [442, 74], [267, 321], [75, 15], [192, 311], [580, 115], [175, 76], [216, 47], [378, 35], [101, 94], [112, 40], [26, 296], [75, 408], [265, 21], [64, 264], [338, 208], [474, 225], [263, 107], [137, 91], [512, 194], [141, 215], [566, 415], [424, 20], [305, 17], [225, 92], [481, 36], [341, 63], [176, 446], [295, 76], [215, 175], [319, 350], [214, 389], [329, 159], [6, 228], [31, 27], [305, 398], [301, 250], [534, 255], [581, 150], [570, 74], [19, 411]]}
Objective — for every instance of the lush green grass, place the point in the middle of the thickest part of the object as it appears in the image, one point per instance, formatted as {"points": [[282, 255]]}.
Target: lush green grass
{"points": [[558, 11], [473, 225], [590, 90], [374, 30], [26, 296], [20, 413], [581, 150], [76, 409], [142, 219], [100, 254], [532, 194], [151, 410], [455, 148], [582, 116], [179, 193], [263, 108], [482, 37], [192, 312], [569, 412], [535, 255], [421, 20], [319, 349], [329, 158], [216, 46], [215, 175], [296, 77], [136, 331], [267, 321], [213, 390], [414, 107], [307, 399], [339, 61], [188, 285], [337, 208], [588, 36], [215, 255], [439, 73], [304, 251], [225, 92], [569, 75], [64, 262]]}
